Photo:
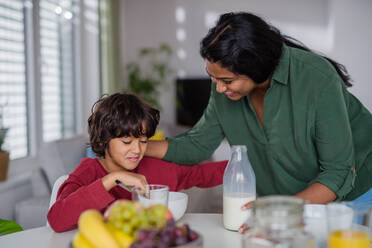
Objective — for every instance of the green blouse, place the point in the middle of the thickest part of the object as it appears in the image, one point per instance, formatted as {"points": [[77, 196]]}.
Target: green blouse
{"points": [[313, 130]]}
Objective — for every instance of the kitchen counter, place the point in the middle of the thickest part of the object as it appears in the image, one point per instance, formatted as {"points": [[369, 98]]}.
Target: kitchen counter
{"points": [[209, 225]]}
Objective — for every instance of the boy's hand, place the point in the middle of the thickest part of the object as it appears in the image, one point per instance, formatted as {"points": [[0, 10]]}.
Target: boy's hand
{"points": [[129, 179]]}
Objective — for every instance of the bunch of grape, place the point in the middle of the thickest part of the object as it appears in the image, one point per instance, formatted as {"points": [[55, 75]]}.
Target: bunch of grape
{"points": [[129, 217], [169, 236]]}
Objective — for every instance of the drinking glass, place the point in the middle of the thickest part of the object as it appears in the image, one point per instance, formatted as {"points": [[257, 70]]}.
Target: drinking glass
{"points": [[316, 223], [345, 225], [339, 217], [155, 194]]}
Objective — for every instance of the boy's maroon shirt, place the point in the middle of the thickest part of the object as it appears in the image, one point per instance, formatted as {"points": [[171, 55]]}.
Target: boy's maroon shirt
{"points": [[84, 189]]}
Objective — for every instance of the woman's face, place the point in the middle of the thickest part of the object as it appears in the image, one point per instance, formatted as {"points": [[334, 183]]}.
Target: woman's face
{"points": [[234, 86]]}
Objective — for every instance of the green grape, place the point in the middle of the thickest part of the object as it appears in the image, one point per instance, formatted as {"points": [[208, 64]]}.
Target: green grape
{"points": [[127, 228], [113, 219], [116, 223], [143, 218], [159, 211], [152, 219], [128, 213], [115, 211], [160, 223], [135, 221], [145, 225]]}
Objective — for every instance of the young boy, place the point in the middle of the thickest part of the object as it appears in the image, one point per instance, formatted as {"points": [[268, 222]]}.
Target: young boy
{"points": [[119, 128]]}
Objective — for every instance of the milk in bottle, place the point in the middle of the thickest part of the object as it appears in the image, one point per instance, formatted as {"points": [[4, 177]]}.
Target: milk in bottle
{"points": [[239, 188]]}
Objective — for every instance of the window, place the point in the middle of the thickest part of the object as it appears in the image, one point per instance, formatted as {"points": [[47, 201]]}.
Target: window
{"points": [[57, 45], [13, 76], [53, 80]]}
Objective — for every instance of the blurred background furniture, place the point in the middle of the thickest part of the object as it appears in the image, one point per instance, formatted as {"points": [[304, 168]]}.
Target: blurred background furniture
{"points": [[58, 158]]}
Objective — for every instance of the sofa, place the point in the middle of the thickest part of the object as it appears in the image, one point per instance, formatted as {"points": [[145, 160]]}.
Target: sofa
{"points": [[57, 158]]}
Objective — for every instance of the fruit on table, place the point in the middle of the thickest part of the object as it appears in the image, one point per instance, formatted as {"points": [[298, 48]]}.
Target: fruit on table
{"points": [[93, 228], [121, 238], [128, 224], [129, 216], [168, 236]]}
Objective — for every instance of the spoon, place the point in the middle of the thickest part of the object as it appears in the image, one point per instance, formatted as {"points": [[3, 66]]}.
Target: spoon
{"points": [[135, 191]]}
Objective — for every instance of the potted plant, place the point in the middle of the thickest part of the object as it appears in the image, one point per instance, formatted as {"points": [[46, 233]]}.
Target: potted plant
{"points": [[150, 72], [4, 155]]}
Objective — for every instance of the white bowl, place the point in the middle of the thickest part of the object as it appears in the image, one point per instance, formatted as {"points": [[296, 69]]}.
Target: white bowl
{"points": [[177, 204]]}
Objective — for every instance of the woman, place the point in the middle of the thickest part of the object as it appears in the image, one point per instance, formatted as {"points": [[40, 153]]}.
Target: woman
{"points": [[306, 135]]}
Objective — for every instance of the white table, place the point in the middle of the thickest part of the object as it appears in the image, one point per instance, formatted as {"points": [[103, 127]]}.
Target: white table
{"points": [[209, 225]]}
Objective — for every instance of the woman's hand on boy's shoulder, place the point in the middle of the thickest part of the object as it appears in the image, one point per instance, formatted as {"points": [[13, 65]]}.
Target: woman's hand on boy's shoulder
{"points": [[129, 179]]}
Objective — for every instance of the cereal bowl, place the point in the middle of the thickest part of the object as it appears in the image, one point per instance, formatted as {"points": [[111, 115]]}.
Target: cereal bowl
{"points": [[177, 204]]}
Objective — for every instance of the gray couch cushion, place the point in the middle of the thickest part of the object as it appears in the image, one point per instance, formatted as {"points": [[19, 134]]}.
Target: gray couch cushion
{"points": [[39, 183], [61, 157], [32, 212]]}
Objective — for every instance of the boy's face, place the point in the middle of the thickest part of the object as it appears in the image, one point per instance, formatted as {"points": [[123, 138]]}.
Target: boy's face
{"points": [[125, 152]]}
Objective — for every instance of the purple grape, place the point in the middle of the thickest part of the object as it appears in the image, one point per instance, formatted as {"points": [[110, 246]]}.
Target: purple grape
{"points": [[162, 245], [134, 245], [187, 231], [170, 223], [193, 235], [178, 232], [148, 243], [152, 234], [142, 234], [166, 238]]}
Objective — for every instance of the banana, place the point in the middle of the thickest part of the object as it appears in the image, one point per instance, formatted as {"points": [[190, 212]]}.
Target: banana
{"points": [[80, 241], [93, 228], [123, 239]]}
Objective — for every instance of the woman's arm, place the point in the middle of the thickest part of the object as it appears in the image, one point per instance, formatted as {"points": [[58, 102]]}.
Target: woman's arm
{"points": [[179, 177], [199, 143], [156, 148], [201, 175], [317, 194], [334, 145]]}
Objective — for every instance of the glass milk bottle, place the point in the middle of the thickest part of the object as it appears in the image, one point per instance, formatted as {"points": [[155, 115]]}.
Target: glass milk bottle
{"points": [[239, 188]]}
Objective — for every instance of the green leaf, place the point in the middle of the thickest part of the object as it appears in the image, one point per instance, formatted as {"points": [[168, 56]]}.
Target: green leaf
{"points": [[165, 48], [7, 227], [150, 71], [146, 51], [3, 132]]}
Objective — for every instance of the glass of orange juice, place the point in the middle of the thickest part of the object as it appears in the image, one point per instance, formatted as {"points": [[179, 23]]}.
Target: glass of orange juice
{"points": [[349, 239], [344, 224]]}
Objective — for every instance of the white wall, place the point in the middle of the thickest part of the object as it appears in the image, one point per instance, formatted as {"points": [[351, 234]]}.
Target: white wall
{"points": [[148, 23], [352, 32], [338, 28]]}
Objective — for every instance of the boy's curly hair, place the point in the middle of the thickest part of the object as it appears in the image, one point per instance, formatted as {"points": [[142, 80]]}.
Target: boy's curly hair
{"points": [[120, 115]]}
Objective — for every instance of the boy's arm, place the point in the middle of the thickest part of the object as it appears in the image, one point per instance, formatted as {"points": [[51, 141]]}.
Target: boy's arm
{"points": [[78, 194], [74, 198], [200, 175]]}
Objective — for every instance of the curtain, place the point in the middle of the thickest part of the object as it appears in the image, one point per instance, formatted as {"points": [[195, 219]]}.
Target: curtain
{"points": [[111, 77]]}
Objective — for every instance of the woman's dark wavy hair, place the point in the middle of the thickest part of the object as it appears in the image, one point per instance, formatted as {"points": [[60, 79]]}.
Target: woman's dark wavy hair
{"points": [[117, 116], [245, 44]]}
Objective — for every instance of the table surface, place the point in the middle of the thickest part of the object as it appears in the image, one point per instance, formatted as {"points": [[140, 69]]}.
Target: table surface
{"points": [[209, 225]]}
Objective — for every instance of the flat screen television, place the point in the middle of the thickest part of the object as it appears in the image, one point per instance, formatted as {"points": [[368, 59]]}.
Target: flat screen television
{"points": [[191, 99]]}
